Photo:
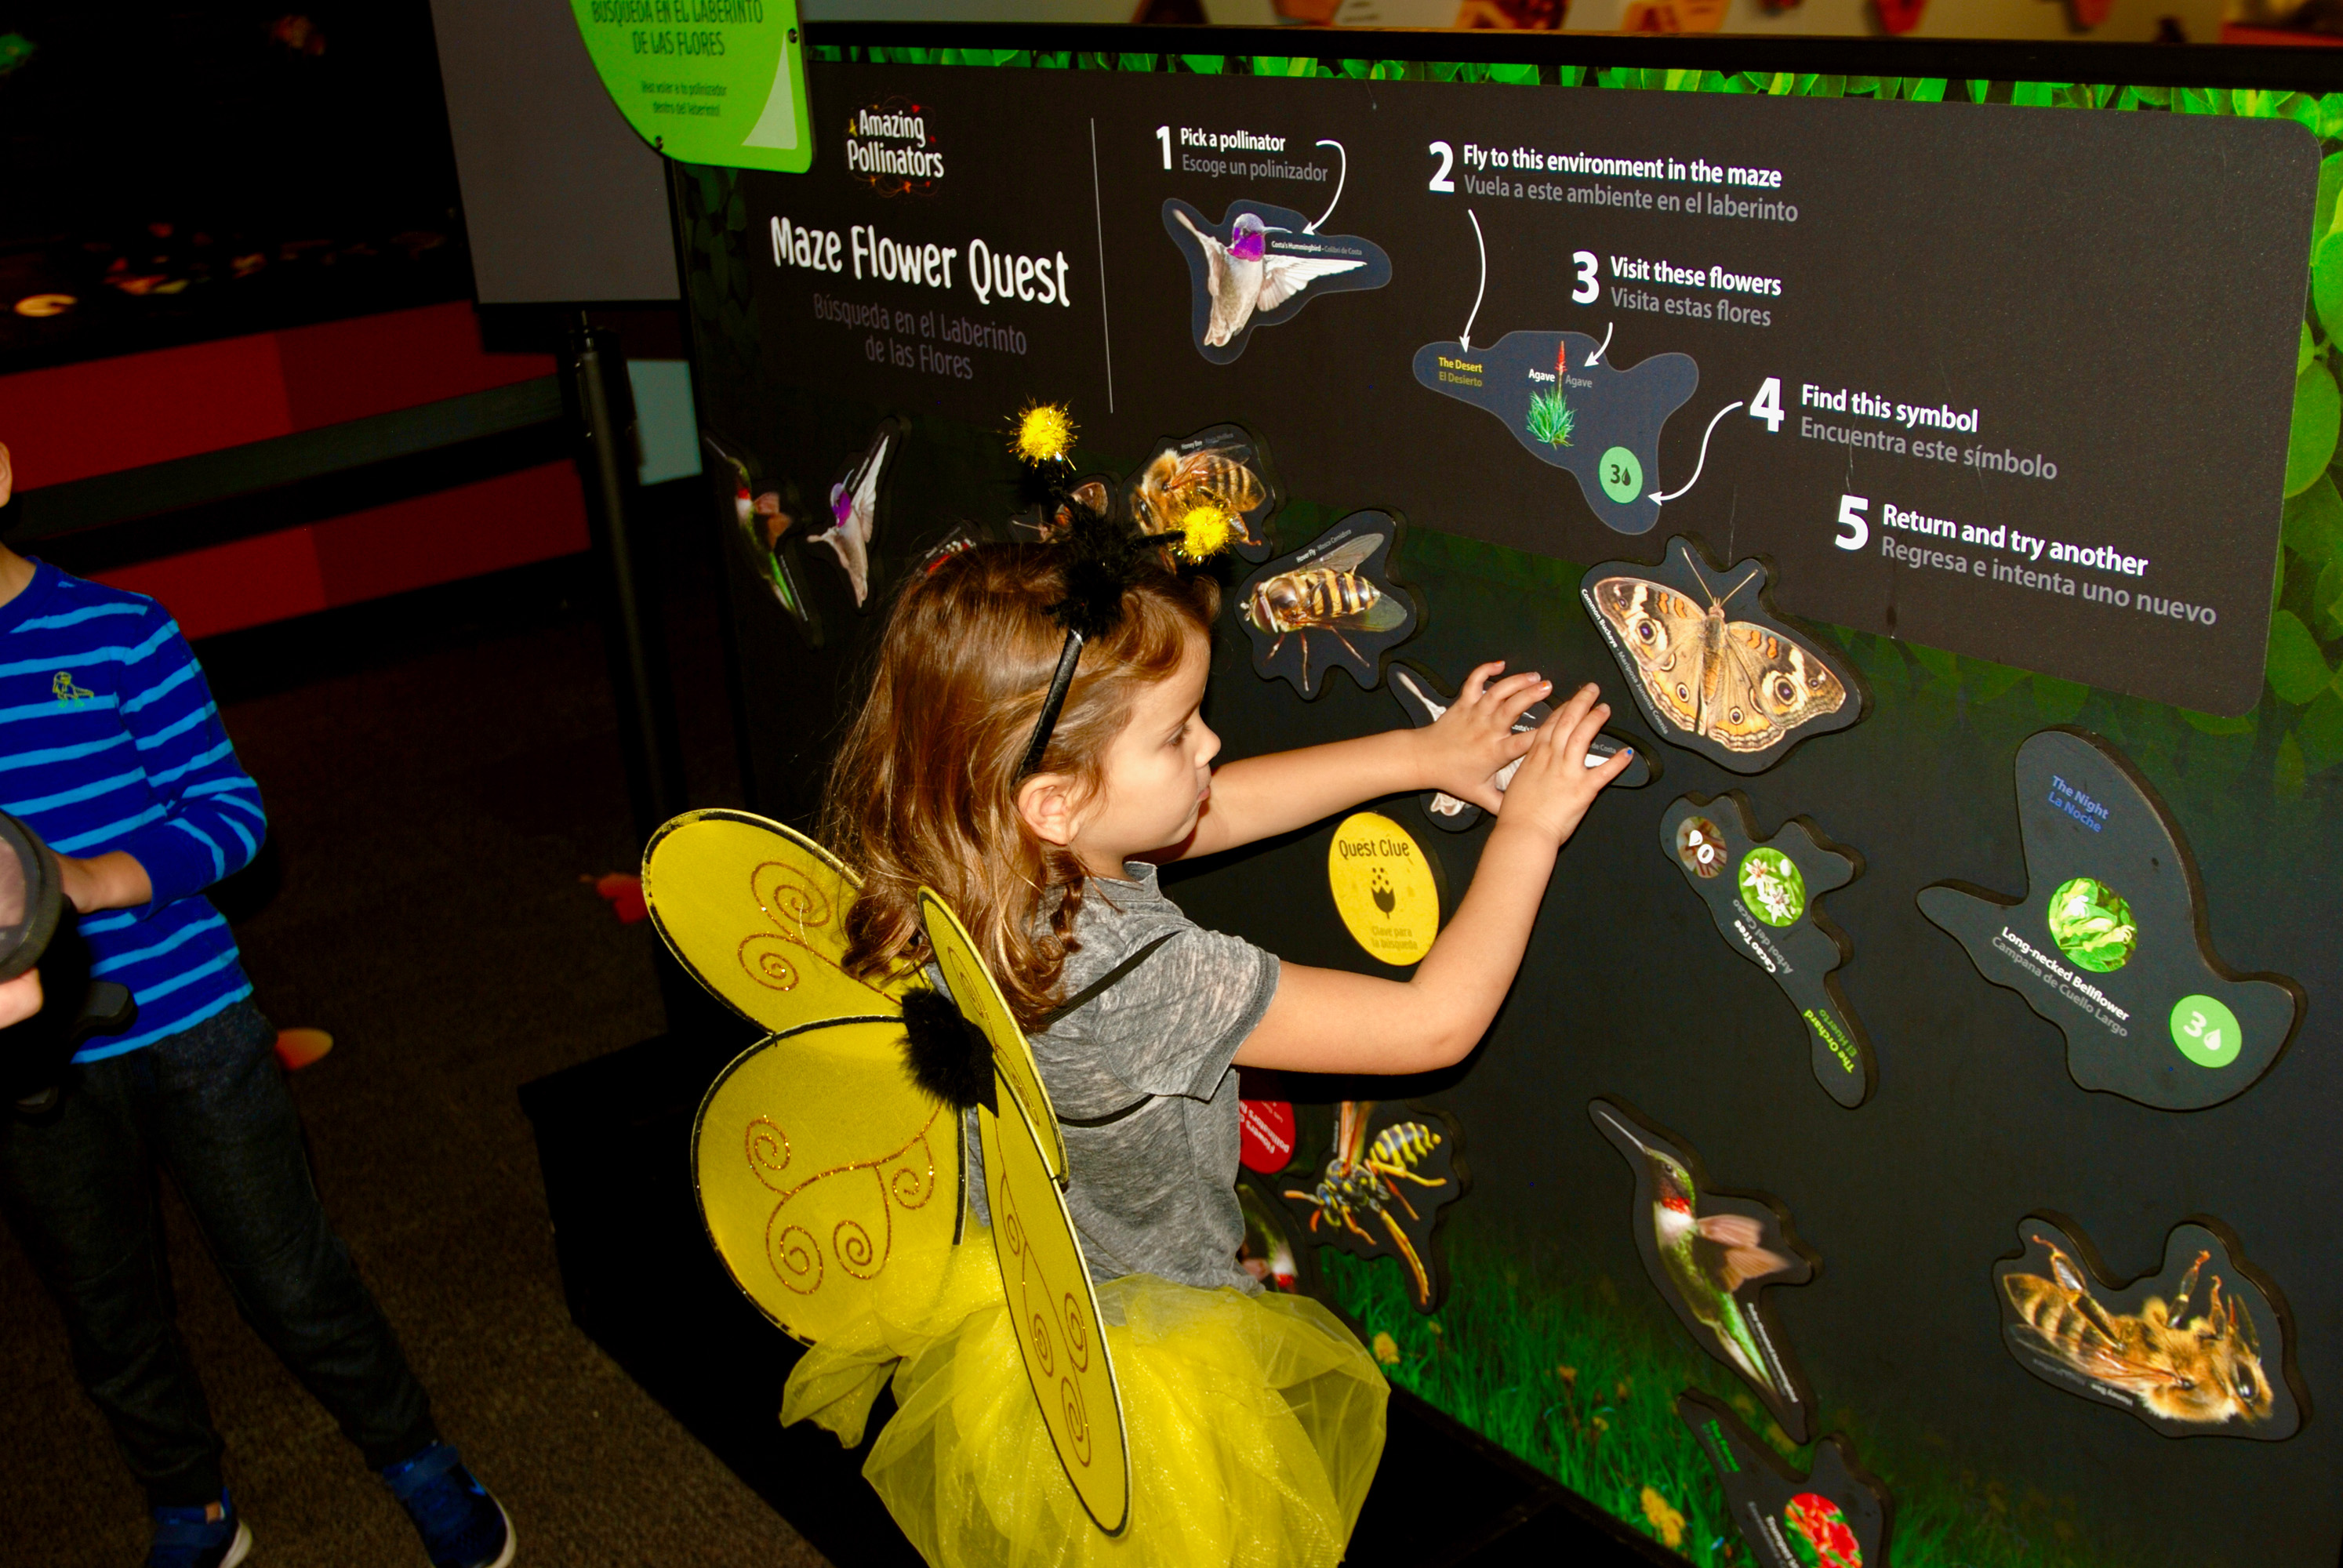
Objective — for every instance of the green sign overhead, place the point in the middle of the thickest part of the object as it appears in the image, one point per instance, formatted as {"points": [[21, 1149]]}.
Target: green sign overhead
{"points": [[706, 81]]}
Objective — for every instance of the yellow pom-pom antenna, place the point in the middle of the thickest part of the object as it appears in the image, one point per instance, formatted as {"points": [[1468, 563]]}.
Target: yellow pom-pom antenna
{"points": [[1044, 433], [1205, 531]]}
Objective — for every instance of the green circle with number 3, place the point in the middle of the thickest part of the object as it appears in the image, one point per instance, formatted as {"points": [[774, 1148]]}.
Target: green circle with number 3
{"points": [[2206, 1031], [1622, 475]]}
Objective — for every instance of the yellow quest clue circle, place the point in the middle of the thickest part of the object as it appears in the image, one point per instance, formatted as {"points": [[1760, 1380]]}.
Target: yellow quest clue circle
{"points": [[1383, 885]]}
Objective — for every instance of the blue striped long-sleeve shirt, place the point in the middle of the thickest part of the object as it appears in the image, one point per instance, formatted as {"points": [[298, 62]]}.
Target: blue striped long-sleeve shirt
{"points": [[109, 739]]}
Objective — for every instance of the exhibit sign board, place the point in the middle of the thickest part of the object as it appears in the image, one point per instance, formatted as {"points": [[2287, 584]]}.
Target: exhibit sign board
{"points": [[706, 81], [1951, 366]]}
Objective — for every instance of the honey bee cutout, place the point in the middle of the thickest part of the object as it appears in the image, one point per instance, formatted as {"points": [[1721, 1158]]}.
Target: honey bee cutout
{"points": [[1711, 1256], [1223, 472], [1425, 699], [1392, 1172], [2197, 1349], [1330, 606], [1834, 1516], [1762, 894], [1713, 669], [2109, 941]]}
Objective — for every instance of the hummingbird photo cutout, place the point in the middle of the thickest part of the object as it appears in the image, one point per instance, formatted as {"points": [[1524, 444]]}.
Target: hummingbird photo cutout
{"points": [[1711, 1255], [854, 509], [1258, 265]]}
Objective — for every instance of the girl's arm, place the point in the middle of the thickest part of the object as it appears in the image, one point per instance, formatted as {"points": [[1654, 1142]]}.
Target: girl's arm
{"points": [[1331, 1020], [1261, 796]]}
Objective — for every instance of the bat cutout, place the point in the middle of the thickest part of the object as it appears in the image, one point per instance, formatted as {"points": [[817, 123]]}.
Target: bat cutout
{"points": [[1710, 1256], [1762, 894], [1257, 267], [1226, 469], [1712, 667], [1425, 699], [2110, 941], [2200, 1348], [1335, 596], [1834, 1516], [1600, 422], [763, 528], [854, 509], [1385, 1192]]}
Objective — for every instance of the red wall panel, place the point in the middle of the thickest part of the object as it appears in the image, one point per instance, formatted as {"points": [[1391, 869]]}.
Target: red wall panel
{"points": [[507, 521], [372, 364], [75, 420]]}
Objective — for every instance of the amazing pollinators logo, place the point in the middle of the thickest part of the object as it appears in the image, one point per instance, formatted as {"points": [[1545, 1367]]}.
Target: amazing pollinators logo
{"points": [[891, 148]]}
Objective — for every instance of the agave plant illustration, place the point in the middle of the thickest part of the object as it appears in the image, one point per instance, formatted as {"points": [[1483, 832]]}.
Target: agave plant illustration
{"points": [[1552, 419]]}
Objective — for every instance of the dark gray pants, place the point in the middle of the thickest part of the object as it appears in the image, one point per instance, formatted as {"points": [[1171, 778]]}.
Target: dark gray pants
{"points": [[79, 1186]]}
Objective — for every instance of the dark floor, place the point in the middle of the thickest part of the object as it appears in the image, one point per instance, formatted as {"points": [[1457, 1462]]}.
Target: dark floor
{"points": [[441, 772]]}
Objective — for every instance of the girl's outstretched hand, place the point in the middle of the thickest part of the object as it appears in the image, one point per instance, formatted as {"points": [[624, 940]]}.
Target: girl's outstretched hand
{"points": [[1554, 786], [1466, 746]]}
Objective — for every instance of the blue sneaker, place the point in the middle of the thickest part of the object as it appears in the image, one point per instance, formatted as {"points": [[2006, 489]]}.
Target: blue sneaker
{"points": [[462, 1526], [208, 1537]]}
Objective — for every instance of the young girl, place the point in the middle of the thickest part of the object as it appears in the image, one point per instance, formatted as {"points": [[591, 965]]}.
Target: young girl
{"points": [[1255, 1421]]}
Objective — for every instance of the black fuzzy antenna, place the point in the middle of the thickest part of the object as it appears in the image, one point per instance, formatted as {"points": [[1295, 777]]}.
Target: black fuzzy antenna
{"points": [[1104, 556]]}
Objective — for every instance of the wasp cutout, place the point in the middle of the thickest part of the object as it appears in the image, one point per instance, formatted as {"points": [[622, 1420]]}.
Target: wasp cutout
{"points": [[1710, 1256], [1834, 1516], [2183, 1349], [1381, 1195], [1224, 469], [1338, 595]]}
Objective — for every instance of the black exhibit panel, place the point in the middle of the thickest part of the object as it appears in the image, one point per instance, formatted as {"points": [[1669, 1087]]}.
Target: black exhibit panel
{"points": [[1878, 443], [1912, 353]]}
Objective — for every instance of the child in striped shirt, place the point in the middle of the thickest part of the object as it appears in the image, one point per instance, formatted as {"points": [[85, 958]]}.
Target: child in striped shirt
{"points": [[112, 751]]}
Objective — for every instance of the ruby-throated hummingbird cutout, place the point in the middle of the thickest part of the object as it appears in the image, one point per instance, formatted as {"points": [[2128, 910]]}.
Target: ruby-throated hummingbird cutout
{"points": [[1425, 698], [1834, 1516], [2110, 943], [1394, 1169], [1258, 265], [1712, 1256], [1763, 895], [2199, 1348]]}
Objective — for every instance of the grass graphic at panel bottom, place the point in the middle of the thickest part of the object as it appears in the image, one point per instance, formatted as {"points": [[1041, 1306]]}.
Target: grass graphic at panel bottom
{"points": [[1563, 1373], [1552, 419]]}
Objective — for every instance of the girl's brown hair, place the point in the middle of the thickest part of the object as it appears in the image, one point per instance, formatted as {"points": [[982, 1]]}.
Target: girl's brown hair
{"points": [[923, 791]]}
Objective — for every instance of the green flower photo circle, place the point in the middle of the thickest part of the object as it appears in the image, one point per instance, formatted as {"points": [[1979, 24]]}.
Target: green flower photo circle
{"points": [[2092, 925], [1773, 887]]}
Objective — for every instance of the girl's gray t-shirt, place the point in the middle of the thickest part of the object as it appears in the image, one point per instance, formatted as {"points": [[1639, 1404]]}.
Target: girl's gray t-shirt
{"points": [[1153, 1191]]}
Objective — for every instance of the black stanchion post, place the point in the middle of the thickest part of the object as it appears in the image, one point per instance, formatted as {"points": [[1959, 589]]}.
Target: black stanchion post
{"points": [[601, 404]]}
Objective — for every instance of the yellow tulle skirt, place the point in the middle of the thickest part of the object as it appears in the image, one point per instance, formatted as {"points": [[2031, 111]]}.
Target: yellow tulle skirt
{"points": [[1255, 1424]]}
